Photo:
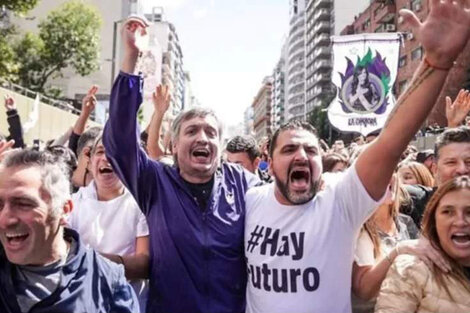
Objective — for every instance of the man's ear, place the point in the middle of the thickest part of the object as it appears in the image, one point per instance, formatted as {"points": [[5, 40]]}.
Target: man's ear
{"points": [[270, 166], [67, 209], [256, 162]]}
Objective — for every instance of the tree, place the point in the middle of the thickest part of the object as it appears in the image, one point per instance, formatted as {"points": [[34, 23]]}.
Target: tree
{"points": [[68, 38], [18, 6]]}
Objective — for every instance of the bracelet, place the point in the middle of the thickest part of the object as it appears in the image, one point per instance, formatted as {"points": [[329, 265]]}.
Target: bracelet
{"points": [[426, 61]]}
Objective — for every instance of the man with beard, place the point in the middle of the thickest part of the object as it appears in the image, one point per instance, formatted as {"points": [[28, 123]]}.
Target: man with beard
{"points": [[195, 210], [299, 244]]}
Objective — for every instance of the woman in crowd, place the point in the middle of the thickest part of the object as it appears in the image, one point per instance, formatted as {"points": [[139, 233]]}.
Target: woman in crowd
{"points": [[334, 162], [413, 286], [385, 235], [414, 173]]}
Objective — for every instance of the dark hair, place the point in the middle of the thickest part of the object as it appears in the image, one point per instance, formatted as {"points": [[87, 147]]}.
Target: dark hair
{"points": [[331, 159], [355, 81], [429, 230], [451, 135], [296, 124], [88, 137], [243, 144]]}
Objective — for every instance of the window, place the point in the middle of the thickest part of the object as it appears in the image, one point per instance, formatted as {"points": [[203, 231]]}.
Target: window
{"points": [[402, 61], [417, 53]]}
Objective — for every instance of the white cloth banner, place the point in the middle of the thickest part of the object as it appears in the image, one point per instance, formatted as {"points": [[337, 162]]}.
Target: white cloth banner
{"points": [[364, 71], [33, 115]]}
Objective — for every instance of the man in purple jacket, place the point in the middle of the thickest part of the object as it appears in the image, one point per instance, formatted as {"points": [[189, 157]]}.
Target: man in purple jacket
{"points": [[195, 210]]}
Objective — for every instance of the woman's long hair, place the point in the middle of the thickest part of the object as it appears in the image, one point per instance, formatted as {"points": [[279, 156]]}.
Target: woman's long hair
{"points": [[402, 197], [429, 231], [355, 81], [420, 171]]}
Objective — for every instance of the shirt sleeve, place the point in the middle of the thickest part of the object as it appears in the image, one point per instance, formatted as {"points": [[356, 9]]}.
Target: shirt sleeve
{"points": [[353, 200], [121, 140], [364, 253], [142, 226], [15, 129]]}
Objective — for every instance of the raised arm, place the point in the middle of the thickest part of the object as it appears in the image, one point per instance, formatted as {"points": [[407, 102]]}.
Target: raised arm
{"points": [[14, 122], [121, 134], [88, 105], [377, 163], [161, 102]]}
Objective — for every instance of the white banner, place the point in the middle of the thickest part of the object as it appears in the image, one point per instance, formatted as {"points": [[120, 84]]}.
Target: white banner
{"points": [[364, 71]]}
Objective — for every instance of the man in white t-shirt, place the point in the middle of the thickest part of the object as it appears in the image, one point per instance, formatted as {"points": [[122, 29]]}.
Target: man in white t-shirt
{"points": [[299, 244], [109, 221]]}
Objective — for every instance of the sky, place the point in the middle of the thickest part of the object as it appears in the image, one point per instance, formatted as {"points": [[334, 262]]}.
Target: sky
{"points": [[228, 48]]}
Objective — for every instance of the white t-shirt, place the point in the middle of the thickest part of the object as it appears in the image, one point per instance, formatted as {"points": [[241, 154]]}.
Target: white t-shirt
{"points": [[109, 226], [300, 257]]}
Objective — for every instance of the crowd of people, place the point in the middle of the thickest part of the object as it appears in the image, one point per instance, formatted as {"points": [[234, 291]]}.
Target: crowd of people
{"points": [[168, 220]]}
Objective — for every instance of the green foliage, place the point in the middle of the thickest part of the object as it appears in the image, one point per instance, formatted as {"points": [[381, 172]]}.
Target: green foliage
{"points": [[19, 6], [68, 38], [8, 63]]}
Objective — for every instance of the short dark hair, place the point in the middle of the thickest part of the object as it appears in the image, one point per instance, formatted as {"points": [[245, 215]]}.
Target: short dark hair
{"points": [[296, 124], [243, 144], [451, 135], [88, 137]]}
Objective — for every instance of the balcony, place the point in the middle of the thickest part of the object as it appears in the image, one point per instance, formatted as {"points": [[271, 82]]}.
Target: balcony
{"points": [[322, 4], [322, 65], [322, 15], [386, 14], [321, 52], [322, 27], [321, 39]]}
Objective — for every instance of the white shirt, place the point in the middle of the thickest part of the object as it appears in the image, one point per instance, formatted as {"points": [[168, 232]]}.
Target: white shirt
{"points": [[110, 226], [307, 267]]}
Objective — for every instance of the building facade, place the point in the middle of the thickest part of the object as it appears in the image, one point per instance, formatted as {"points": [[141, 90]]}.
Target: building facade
{"points": [[324, 18], [295, 63], [262, 110], [278, 94]]}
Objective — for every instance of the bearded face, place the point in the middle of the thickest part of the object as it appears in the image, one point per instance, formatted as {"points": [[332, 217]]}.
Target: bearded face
{"points": [[296, 166]]}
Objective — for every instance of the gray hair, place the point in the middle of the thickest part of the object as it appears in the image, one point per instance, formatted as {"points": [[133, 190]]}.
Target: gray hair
{"points": [[88, 137], [54, 174], [190, 114]]}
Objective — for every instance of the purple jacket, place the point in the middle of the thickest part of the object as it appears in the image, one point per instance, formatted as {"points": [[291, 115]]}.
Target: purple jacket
{"points": [[197, 260]]}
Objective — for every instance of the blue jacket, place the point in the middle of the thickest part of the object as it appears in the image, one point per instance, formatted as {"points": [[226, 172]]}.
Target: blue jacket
{"points": [[89, 284], [197, 260]]}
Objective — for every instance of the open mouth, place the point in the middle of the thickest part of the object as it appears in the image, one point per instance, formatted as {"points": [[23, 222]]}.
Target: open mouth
{"points": [[299, 178], [16, 238], [461, 239], [106, 170], [201, 154]]}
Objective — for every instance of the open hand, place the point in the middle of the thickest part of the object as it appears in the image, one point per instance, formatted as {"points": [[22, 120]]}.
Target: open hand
{"points": [[445, 31], [161, 99], [423, 249], [89, 101], [128, 32], [9, 103], [457, 111]]}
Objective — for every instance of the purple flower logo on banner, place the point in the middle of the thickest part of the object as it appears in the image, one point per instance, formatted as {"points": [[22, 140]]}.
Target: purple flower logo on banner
{"points": [[366, 85]]}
